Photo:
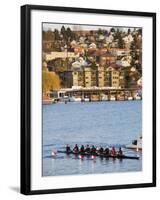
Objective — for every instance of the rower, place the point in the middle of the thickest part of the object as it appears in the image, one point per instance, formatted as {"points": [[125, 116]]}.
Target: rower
{"points": [[82, 149], [120, 152], [101, 150], [87, 150], [76, 149], [93, 149], [113, 151], [68, 149], [107, 151]]}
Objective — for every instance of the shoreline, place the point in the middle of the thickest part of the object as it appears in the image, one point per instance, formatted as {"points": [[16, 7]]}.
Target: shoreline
{"points": [[91, 101]]}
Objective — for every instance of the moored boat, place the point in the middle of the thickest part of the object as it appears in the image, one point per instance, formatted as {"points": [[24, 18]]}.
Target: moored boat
{"points": [[112, 98], [104, 97], [136, 144], [47, 100], [120, 98], [75, 99], [85, 99], [130, 98], [137, 97]]}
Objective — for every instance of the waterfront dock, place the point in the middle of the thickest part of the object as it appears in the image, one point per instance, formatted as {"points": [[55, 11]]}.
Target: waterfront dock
{"points": [[96, 94]]}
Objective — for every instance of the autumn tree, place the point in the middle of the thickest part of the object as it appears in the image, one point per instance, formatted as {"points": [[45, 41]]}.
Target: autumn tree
{"points": [[50, 81], [48, 35]]}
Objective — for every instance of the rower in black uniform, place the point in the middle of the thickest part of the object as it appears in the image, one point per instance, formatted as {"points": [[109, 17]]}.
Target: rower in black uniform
{"points": [[76, 149], [120, 152], [87, 150], [68, 149], [101, 150], [106, 151], [82, 149]]}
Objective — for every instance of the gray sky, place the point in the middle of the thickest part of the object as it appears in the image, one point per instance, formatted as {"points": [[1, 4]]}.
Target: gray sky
{"points": [[52, 26]]}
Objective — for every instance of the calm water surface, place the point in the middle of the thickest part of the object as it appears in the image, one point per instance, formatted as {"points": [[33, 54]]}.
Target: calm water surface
{"points": [[98, 123]]}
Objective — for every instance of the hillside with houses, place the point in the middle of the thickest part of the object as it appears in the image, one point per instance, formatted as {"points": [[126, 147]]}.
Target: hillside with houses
{"points": [[82, 58]]}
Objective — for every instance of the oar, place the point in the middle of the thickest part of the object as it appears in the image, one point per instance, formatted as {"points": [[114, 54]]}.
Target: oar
{"points": [[93, 156], [54, 153], [81, 156]]}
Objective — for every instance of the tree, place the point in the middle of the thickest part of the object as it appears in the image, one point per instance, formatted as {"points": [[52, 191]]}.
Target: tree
{"points": [[69, 32], [63, 30], [133, 50], [117, 34], [112, 30], [94, 65], [140, 31], [48, 35], [57, 46], [64, 33], [50, 81], [129, 31], [121, 43], [56, 34], [100, 31]]}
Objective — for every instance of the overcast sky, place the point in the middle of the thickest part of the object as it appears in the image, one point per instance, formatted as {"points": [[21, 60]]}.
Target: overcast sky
{"points": [[52, 26]]}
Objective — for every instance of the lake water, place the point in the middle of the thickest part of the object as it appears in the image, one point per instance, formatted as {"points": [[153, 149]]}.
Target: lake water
{"points": [[95, 123]]}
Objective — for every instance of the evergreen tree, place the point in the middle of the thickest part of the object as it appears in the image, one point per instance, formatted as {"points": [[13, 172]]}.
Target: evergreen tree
{"points": [[140, 31], [94, 65], [117, 34], [56, 34], [121, 43], [133, 52], [100, 31], [63, 30], [113, 30], [69, 31], [129, 31]]}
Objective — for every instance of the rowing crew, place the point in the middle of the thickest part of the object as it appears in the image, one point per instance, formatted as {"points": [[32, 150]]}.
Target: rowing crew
{"points": [[94, 150]]}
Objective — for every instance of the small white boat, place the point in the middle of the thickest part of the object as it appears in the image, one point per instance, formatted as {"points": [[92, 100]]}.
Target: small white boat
{"points": [[136, 97], [65, 99], [112, 98], [130, 98], [75, 99], [104, 98], [136, 144], [86, 99]]}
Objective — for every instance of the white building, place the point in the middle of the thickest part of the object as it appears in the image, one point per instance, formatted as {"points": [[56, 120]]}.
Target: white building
{"points": [[123, 63], [55, 54]]}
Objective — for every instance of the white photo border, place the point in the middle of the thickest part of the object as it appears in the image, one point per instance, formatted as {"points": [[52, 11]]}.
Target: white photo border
{"points": [[45, 183]]}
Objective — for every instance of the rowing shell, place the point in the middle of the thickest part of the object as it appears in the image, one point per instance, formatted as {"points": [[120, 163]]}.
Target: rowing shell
{"points": [[101, 155]]}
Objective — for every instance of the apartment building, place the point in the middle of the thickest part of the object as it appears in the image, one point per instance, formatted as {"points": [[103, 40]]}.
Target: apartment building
{"points": [[102, 77], [78, 78]]}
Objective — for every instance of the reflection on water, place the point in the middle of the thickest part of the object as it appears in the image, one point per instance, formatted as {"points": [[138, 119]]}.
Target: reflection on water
{"points": [[102, 123]]}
